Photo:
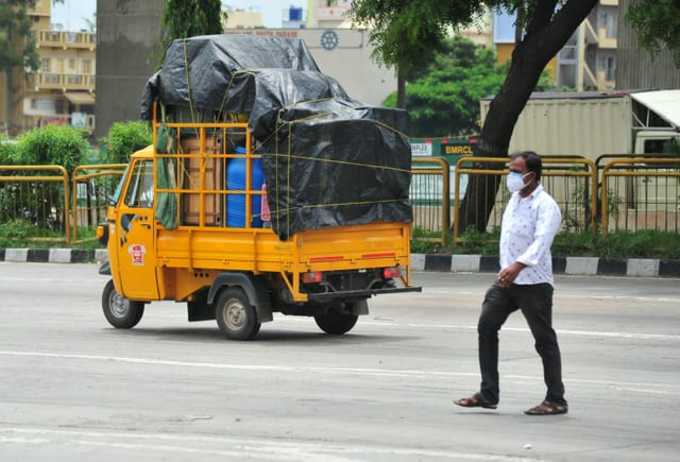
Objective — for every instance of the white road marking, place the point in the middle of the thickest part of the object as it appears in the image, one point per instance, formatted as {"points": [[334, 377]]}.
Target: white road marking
{"points": [[404, 373], [583, 333], [271, 449]]}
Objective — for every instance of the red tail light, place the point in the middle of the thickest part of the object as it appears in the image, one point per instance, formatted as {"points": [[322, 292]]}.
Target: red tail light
{"points": [[392, 273], [313, 277]]}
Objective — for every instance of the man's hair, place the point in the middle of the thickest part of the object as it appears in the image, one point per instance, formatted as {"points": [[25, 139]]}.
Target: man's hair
{"points": [[533, 162]]}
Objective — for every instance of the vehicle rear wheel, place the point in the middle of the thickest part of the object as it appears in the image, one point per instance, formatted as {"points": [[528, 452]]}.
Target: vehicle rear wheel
{"points": [[235, 316], [120, 312], [337, 321]]}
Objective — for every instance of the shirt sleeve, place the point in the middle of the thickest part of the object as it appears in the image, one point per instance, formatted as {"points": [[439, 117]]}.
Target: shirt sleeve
{"points": [[547, 226]]}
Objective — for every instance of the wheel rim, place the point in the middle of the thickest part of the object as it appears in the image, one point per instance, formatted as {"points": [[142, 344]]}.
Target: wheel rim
{"points": [[234, 314], [119, 305]]}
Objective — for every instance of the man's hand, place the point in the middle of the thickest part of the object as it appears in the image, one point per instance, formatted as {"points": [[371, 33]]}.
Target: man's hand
{"points": [[509, 274]]}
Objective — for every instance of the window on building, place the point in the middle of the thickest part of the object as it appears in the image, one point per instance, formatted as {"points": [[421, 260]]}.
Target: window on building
{"points": [[72, 64], [34, 103], [60, 106], [608, 20], [87, 66], [610, 67], [607, 65], [45, 65]]}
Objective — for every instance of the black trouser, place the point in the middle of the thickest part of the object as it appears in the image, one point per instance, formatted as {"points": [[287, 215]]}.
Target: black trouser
{"points": [[535, 301]]}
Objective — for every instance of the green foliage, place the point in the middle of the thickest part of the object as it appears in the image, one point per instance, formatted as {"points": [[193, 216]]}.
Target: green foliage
{"points": [[640, 244], [7, 151], [444, 98], [17, 43], [189, 18], [52, 145], [657, 23], [124, 139]]}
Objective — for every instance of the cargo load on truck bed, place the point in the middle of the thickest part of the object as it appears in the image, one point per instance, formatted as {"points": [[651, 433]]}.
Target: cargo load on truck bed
{"points": [[328, 160]]}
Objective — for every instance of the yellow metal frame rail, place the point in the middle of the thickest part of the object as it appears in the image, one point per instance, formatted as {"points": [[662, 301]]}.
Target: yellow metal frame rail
{"points": [[443, 171], [204, 155], [62, 178], [567, 161], [609, 172], [97, 170]]}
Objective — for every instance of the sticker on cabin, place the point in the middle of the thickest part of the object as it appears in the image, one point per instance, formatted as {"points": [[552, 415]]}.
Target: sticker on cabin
{"points": [[137, 252]]}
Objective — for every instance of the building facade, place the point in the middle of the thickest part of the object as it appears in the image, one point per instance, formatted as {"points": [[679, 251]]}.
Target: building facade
{"points": [[329, 14], [637, 68], [587, 61], [345, 55], [62, 91]]}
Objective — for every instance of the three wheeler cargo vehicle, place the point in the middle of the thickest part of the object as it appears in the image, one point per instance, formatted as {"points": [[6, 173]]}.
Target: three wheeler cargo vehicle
{"points": [[280, 195]]}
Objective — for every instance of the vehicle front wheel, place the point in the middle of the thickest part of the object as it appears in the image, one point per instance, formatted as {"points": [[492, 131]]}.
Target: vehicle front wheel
{"points": [[336, 320], [235, 316], [120, 312]]}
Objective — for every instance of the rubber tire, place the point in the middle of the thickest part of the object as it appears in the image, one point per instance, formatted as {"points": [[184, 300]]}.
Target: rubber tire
{"points": [[335, 322], [250, 327], [134, 314]]}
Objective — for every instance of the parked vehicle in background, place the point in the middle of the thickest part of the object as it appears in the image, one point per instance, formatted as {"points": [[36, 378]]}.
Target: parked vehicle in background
{"points": [[593, 124]]}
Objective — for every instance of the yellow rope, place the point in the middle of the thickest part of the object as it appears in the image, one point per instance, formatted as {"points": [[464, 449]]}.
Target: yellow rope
{"points": [[340, 162], [339, 204], [188, 77]]}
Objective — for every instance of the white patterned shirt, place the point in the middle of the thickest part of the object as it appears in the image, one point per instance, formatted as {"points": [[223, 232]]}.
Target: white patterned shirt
{"points": [[527, 232]]}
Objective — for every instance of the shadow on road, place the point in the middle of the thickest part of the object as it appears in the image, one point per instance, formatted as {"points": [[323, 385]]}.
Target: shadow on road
{"points": [[288, 337]]}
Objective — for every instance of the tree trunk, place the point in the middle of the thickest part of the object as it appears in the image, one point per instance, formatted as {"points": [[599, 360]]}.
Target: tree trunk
{"points": [[401, 90], [9, 107], [544, 38]]}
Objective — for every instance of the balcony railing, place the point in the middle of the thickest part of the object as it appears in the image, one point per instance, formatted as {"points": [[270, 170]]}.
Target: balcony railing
{"points": [[58, 39], [51, 81], [605, 40]]}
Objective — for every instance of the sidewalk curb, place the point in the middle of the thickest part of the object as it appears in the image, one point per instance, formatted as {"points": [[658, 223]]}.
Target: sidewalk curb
{"points": [[576, 266], [53, 255]]}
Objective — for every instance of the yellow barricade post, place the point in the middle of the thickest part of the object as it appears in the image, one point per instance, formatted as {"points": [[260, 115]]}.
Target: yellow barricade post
{"points": [[439, 168], [649, 170], [85, 173], [567, 166], [60, 175]]}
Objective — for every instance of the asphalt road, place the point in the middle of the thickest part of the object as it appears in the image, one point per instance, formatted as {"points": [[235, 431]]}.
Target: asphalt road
{"points": [[72, 388]]}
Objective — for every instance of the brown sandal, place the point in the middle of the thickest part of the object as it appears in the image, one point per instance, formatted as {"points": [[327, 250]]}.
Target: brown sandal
{"points": [[475, 400], [548, 408]]}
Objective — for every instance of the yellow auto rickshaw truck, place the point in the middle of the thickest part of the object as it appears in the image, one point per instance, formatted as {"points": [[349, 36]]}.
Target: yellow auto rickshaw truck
{"points": [[171, 235]]}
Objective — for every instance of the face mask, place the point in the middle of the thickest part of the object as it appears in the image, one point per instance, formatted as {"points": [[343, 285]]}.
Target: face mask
{"points": [[515, 182]]}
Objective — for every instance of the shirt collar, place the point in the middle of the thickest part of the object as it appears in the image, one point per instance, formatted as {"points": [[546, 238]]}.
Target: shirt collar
{"points": [[533, 195]]}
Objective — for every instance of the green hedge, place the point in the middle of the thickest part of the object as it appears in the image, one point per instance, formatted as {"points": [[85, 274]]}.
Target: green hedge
{"points": [[640, 244], [123, 140]]}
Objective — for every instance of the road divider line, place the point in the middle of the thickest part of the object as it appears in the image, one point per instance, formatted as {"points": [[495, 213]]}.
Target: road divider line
{"points": [[270, 449], [406, 373]]}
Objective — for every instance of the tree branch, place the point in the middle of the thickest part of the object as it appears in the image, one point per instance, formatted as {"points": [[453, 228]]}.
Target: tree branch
{"points": [[543, 13]]}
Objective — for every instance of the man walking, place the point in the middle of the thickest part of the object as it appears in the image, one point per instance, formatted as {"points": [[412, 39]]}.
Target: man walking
{"points": [[530, 222]]}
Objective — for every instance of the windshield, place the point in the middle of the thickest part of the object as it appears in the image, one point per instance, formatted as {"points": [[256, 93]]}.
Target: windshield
{"points": [[119, 188]]}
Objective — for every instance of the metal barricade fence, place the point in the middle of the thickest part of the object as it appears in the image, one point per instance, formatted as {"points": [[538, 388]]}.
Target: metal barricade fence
{"points": [[430, 199], [641, 193], [32, 193], [570, 180], [93, 185]]}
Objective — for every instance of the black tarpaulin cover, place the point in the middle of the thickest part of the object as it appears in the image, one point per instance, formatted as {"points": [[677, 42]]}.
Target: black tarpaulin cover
{"points": [[329, 160]]}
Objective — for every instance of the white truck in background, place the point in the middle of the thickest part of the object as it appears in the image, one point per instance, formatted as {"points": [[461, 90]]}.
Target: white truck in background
{"points": [[592, 124]]}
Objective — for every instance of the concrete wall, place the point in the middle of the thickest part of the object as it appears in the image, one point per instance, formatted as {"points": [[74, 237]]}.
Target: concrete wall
{"points": [[128, 34], [348, 61]]}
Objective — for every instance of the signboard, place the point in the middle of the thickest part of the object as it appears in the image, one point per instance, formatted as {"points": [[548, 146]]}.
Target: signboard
{"points": [[421, 149]]}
